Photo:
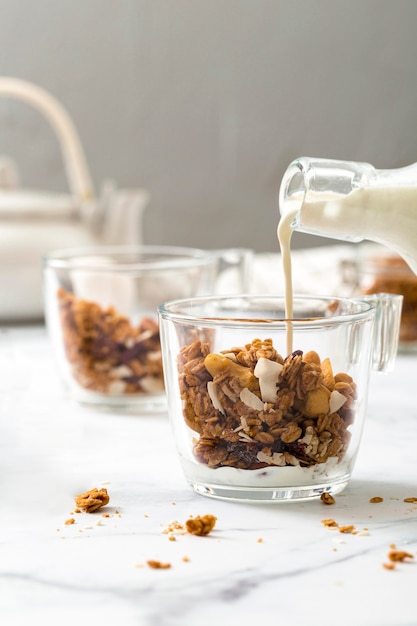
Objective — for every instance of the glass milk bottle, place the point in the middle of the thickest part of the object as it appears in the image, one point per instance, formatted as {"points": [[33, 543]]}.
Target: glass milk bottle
{"points": [[353, 201]]}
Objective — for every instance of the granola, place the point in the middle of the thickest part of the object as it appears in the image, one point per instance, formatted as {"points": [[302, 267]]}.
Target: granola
{"points": [[252, 408], [106, 353], [92, 500], [391, 274], [201, 525]]}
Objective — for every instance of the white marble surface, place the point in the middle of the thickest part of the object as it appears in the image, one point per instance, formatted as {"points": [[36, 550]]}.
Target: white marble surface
{"points": [[301, 572]]}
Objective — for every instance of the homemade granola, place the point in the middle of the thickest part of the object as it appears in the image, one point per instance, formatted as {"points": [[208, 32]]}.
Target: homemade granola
{"points": [[201, 525], [92, 500], [252, 408], [106, 353], [391, 274]]}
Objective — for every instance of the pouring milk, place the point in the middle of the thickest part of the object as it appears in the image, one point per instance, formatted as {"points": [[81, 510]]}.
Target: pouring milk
{"points": [[352, 202], [349, 201]]}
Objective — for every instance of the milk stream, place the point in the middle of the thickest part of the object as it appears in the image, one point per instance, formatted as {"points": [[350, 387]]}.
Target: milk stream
{"points": [[284, 233]]}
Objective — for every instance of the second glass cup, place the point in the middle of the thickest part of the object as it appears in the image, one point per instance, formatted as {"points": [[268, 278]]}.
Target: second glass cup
{"points": [[101, 313]]}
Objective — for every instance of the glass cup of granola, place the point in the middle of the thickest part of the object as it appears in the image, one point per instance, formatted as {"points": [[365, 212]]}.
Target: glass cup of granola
{"points": [[254, 422], [101, 314]]}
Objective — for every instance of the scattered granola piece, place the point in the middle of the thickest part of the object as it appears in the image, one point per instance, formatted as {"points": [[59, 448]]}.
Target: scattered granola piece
{"points": [[376, 499], [260, 540], [349, 528], [158, 565], [185, 559], [388, 565], [329, 523], [172, 538], [399, 555], [413, 500], [201, 525], [174, 527], [69, 521], [327, 498], [92, 500]]}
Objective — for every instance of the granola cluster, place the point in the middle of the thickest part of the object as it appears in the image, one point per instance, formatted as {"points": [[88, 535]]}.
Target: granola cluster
{"points": [[252, 408], [92, 500], [106, 353]]}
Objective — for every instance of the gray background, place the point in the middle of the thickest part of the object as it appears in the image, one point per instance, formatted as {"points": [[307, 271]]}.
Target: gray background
{"points": [[205, 102]]}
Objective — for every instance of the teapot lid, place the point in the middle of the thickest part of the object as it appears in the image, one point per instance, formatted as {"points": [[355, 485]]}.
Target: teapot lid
{"points": [[34, 203]]}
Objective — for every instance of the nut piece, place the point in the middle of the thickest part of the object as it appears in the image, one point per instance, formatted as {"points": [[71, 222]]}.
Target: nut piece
{"points": [[201, 525], [92, 500], [327, 498]]}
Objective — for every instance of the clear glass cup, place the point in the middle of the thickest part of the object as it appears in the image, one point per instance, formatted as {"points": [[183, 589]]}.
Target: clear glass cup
{"points": [[252, 423], [101, 314]]}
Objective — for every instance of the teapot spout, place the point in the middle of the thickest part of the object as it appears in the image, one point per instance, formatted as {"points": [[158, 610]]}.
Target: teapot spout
{"points": [[119, 218]]}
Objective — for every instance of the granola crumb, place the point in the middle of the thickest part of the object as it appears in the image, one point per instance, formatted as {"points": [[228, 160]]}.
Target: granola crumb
{"points": [[399, 555], [329, 523], [92, 500], [69, 521], [157, 564], [172, 538], [327, 498], [174, 527], [412, 500], [186, 559], [260, 540], [349, 528], [201, 525], [376, 499], [388, 565]]}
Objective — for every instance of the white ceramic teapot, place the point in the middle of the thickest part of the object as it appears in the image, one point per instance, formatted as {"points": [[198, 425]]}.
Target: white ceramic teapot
{"points": [[34, 222]]}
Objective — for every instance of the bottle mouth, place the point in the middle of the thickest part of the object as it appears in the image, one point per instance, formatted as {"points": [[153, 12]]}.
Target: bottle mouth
{"points": [[293, 187]]}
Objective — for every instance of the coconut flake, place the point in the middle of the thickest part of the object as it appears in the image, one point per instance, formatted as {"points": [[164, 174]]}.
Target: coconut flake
{"points": [[337, 400], [268, 373], [151, 384], [214, 396], [251, 400]]}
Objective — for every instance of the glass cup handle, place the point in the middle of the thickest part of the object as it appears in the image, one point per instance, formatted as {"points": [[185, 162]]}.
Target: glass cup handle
{"points": [[388, 309], [234, 270]]}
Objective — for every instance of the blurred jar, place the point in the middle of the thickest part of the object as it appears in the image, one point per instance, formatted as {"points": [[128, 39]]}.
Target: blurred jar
{"points": [[378, 269]]}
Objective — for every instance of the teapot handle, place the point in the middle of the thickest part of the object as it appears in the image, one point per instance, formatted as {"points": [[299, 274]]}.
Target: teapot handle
{"points": [[74, 159]]}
